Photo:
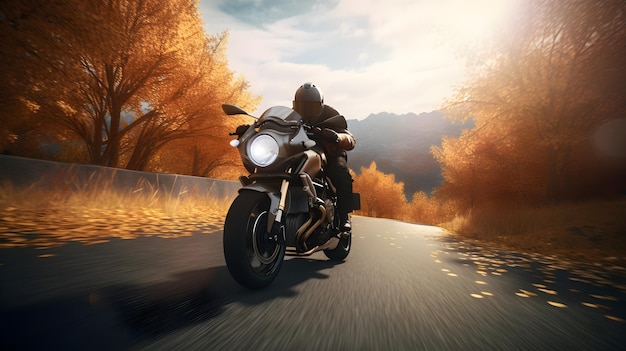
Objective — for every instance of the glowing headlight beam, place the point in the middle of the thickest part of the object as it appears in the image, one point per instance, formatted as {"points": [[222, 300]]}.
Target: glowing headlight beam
{"points": [[263, 150]]}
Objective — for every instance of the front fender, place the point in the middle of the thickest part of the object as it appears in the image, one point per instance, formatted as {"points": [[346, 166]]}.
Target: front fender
{"points": [[272, 191], [297, 199]]}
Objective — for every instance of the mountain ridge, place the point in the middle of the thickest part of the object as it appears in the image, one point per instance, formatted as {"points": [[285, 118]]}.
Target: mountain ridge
{"points": [[400, 145]]}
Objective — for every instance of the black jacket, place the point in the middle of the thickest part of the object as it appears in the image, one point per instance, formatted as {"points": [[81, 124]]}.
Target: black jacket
{"points": [[346, 139]]}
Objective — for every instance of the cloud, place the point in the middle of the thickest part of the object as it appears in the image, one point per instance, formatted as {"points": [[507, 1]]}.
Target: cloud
{"points": [[261, 12], [368, 56]]}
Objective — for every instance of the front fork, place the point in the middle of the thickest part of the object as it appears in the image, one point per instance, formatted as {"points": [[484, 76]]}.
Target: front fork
{"points": [[274, 223], [274, 219]]}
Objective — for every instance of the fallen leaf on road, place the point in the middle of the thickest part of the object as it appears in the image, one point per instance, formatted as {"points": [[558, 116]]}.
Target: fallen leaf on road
{"points": [[557, 304], [613, 318]]}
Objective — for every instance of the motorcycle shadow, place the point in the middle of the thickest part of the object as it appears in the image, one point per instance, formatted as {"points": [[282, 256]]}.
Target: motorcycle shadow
{"points": [[197, 296], [295, 271]]}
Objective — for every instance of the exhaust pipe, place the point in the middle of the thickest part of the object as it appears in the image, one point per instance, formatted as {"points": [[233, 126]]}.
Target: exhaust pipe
{"points": [[302, 237]]}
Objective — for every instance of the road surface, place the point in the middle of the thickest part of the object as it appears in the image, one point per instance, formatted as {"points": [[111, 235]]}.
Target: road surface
{"points": [[403, 287]]}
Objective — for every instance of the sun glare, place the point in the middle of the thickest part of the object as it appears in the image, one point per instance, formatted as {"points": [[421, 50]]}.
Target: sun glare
{"points": [[475, 21]]}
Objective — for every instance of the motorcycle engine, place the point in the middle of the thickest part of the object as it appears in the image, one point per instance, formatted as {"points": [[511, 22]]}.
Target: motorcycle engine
{"points": [[330, 211], [293, 222]]}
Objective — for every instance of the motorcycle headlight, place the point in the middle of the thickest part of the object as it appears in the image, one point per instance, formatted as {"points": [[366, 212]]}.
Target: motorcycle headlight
{"points": [[263, 150]]}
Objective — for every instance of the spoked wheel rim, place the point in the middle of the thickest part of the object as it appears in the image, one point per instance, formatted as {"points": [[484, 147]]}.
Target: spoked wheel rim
{"points": [[253, 257], [264, 251]]}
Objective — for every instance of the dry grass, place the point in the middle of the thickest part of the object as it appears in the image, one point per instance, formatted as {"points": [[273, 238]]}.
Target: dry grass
{"points": [[49, 214], [101, 195], [592, 232]]}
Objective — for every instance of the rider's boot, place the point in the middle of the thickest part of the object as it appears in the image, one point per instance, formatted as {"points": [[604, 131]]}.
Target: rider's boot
{"points": [[345, 225]]}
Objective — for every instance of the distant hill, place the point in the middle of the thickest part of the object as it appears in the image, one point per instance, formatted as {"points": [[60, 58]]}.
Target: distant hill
{"points": [[400, 144]]}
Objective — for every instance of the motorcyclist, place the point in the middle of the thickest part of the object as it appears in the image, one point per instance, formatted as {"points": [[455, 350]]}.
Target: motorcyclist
{"points": [[309, 103]]}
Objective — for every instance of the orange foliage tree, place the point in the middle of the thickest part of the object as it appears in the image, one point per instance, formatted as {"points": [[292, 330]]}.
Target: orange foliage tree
{"points": [[430, 209], [38, 69], [381, 196], [536, 100], [138, 83]]}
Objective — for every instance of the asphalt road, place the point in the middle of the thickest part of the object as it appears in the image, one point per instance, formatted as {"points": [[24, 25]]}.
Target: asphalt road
{"points": [[403, 287]]}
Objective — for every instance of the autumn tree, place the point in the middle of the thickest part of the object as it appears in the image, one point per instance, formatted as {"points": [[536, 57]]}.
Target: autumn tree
{"points": [[143, 80], [430, 209], [39, 68], [536, 99], [381, 196], [486, 166]]}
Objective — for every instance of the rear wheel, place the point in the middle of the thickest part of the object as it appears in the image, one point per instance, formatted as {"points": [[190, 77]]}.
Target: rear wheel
{"points": [[253, 256], [343, 248]]}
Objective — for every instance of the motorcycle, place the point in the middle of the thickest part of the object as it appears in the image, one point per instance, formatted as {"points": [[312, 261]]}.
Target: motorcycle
{"points": [[286, 205]]}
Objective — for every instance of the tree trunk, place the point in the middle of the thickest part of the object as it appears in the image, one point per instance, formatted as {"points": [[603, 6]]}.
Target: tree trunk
{"points": [[195, 165], [553, 180], [111, 154]]}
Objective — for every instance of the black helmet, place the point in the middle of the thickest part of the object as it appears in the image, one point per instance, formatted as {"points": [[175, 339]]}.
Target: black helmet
{"points": [[308, 101]]}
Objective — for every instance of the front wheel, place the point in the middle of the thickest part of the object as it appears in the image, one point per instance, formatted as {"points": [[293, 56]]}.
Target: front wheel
{"points": [[253, 256], [343, 248]]}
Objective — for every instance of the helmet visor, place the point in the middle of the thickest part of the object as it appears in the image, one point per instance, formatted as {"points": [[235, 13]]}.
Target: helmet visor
{"points": [[308, 109]]}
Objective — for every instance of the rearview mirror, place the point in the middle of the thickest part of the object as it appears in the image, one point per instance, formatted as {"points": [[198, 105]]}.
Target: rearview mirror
{"points": [[233, 110]]}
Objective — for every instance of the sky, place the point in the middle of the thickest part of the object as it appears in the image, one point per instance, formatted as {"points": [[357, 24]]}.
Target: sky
{"points": [[367, 56]]}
